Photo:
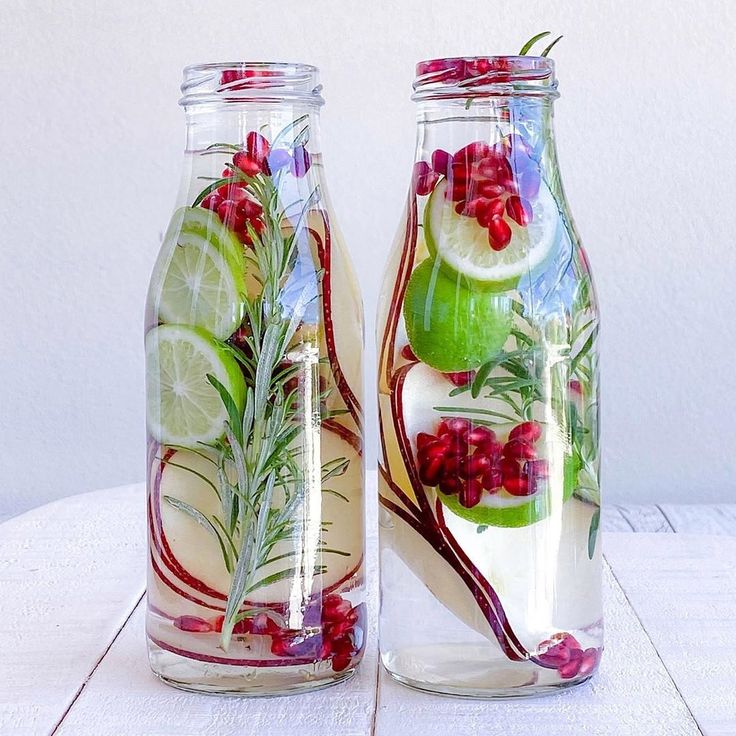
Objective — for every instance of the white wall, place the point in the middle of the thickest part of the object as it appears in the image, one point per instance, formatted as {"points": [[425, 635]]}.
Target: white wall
{"points": [[90, 149]]}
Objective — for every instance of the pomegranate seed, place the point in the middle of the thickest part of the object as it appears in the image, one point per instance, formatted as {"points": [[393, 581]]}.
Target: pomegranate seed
{"points": [[493, 448], [335, 611], [589, 661], [249, 208], [192, 623], [499, 233], [248, 165], [424, 178], [460, 378], [519, 210], [571, 668], [489, 190], [480, 435], [527, 431], [475, 465], [457, 446], [470, 495], [228, 213], [492, 479], [490, 167], [263, 625], [495, 208], [519, 486], [212, 201], [555, 655], [424, 439], [519, 450], [232, 190], [408, 353], [301, 162], [430, 471], [471, 153], [570, 641], [537, 468], [341, 662], [436, 448], [441, 161], [257, 146], [575, 386], [339, 629], [450, 486], [456, 425], [509, 467], [258, 225]]}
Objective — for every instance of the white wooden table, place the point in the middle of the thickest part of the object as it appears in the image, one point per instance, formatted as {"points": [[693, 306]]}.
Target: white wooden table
{"points": [[73, 659]]}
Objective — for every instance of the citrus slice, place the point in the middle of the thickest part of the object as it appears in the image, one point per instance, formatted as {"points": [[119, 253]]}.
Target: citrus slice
{"points": [[462, 244], [200, 278], [184, 408], [451, 327]]}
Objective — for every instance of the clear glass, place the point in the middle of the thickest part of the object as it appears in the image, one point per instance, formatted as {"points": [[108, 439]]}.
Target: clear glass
{"points": [[254, 337], [488, 400]]}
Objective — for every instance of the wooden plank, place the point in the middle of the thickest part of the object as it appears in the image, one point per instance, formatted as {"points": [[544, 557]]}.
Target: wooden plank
{"points": [[645, 518], [717, 519], [632, 695], [70, 574], [124, 698], [683, 590]]}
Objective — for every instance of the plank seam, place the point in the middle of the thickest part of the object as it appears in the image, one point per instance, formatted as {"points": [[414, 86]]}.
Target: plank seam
{"points": [[656, 651], [624, 517], [377, 689], [114, 638], [666, 518]]}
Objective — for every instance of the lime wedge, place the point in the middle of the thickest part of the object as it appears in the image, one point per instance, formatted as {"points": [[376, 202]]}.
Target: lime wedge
{"points": [[462, 244], [200, 277], [184, 408]]}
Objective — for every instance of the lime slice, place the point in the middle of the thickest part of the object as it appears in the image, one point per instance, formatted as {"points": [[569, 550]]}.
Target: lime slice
{"points": [[184, 408], [200, 277], [462, 244], [451, 327]]}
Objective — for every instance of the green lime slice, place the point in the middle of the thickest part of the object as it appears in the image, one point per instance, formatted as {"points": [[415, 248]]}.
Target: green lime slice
{"points": [[200, 277], [451, 325], [184, 408], [462, 244]]}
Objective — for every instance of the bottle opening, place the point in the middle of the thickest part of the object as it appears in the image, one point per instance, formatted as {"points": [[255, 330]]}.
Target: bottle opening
{"points": [[255, 81], [478, 76]]}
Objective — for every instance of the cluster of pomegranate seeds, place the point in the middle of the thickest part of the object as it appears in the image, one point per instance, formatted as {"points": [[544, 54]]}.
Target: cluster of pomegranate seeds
{"points": [[466, 70], [493, 184], [564, 652], [233, 204], [468, 460], [252, 78], [334, 616]]}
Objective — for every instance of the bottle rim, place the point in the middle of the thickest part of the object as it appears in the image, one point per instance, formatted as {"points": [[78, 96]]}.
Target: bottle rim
{"points": [[485, 76], [251, 81]]}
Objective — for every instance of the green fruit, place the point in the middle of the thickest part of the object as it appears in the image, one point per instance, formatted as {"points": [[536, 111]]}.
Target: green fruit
{"points": [[183, 407], [461, 244], [516, 511], [200, 277], [451, 327]]}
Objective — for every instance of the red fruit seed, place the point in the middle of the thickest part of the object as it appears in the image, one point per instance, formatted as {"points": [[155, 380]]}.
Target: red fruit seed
{"points": [[519, 210], [248, 165], [192, 623], [519, 450], [527, 431], [519, 486], [499, 233], [480, 435], [441, 161]]}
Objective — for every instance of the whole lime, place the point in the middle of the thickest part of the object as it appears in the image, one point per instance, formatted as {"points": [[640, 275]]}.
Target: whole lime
{"points": [[451, 326]]}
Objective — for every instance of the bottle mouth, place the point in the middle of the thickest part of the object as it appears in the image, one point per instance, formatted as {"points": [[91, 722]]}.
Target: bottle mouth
{"points": [[485, 76], [251, 81]]}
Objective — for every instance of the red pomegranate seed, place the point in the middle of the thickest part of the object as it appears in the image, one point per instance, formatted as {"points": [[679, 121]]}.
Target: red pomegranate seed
{"points": [[212, 201], [519, 449], [408, 353], [527, 431], [492, 448], [572, 667], [192, 623], [458, 426], [436, 448], [424, 439], [519, 486], [471, 494], [537, 468], [441, 161], [471, 153], [492, 479], [424, 178], [480, 435], [555, 655], [430, 471], [248, 165], [450, 485], [589, 661], [335, 610], [341, 662], [257, 146], [457, 446], [575, 386], [489, 190], [249, 208], [460, 378], [570, 641], [475, 465], [232, 190], [228, 213], [519, 210], [499, 233]]}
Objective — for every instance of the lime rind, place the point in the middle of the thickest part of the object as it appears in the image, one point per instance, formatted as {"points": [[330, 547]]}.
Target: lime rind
{"points": [[462, 246], [184, 408], [200, 279]]}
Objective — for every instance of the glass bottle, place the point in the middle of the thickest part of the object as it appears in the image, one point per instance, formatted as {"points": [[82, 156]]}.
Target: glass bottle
{"points": [[254, 336], [488, 399]]}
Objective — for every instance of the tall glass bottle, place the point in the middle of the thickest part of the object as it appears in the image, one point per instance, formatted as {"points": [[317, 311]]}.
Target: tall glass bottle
{"points": [[488, 399], [253, 347]]}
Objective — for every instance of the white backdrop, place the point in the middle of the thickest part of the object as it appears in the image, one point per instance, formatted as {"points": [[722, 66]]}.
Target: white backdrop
{"points": [[90, 141]]}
